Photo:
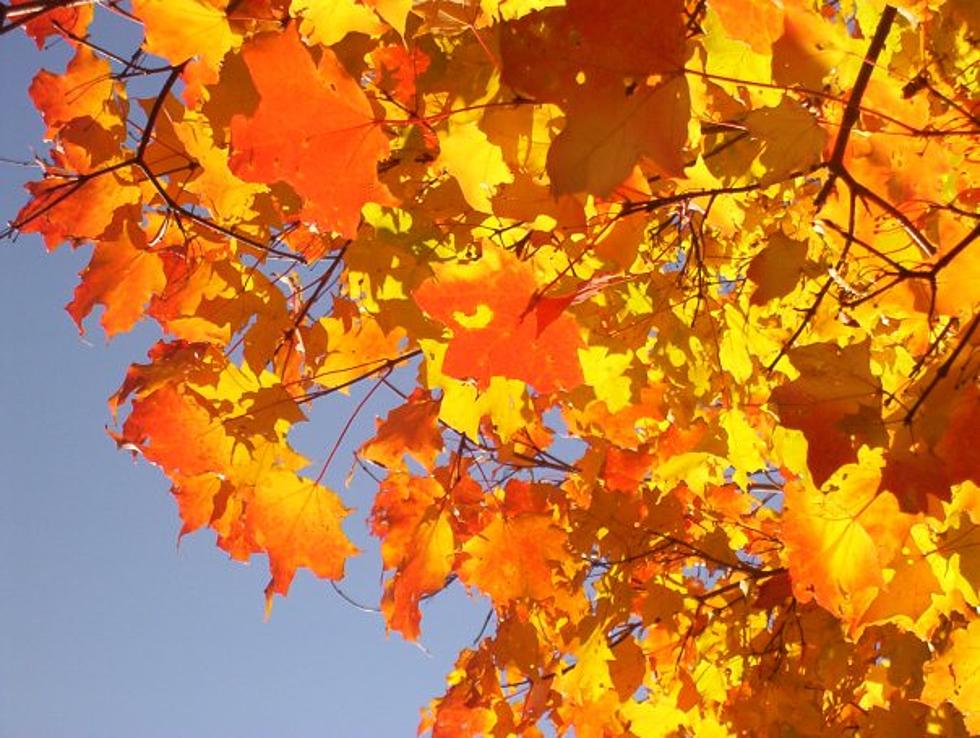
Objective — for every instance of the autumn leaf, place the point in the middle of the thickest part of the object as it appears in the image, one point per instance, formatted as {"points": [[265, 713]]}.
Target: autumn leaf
{"points": [[330, 21], [485, 304], [66, 208], [411, 518], [179, 30], [411, 428], [127, 259], [297, 522], [159, 425], [840, 539], [956, 676], [54, 20], [84, 90], [598, 66], [509, 559], [332, 162], [835, 402], [777, 269]]}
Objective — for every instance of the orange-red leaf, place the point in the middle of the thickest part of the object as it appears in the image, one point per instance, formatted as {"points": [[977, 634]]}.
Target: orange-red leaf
{"points": [[76, 209], [84, 90], [298, 522], [123, 275], [511, 559], [161, 424], [412, 429], [55, 21], [485, 304], [410, 516], [313, 129]]}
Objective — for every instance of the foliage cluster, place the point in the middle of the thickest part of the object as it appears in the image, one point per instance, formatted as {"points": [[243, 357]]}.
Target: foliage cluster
{"points": [[727, 247]]}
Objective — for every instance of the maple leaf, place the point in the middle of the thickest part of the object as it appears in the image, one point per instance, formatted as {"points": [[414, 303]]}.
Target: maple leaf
{"points": [[179, 30], [956, 676], [411, 428], [510, 559], [85, 90], [485, 304], [777, 268], [329, 22], [330, 151], [297, 522], [403, 67], [74, 208], [411, 518], [126, 259], [930, 451], [40, 23], [835, 402], [840, 541], [597, 63]]}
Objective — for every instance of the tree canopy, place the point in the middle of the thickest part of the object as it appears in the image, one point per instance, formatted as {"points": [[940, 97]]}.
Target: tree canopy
{"points": [[675, 303]]}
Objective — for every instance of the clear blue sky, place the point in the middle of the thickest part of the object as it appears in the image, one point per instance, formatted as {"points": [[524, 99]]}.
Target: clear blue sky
{"points": [[107, 630]]}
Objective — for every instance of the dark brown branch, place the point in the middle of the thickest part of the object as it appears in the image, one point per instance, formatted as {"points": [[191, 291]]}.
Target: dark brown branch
{"points": [[151, 119], [210, 224], [899, 269], [15, 16], [933, 346], [382, 366], [132, 68], [944, 369], [718, 591], [647, 206], [853, 109], [902, 273], [909, 130]]}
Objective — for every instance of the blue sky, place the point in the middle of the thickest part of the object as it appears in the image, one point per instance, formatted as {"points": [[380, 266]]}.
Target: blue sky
{"points": [[107, 629]]}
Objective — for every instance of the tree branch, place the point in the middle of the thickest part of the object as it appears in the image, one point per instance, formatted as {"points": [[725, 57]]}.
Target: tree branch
{"points": [[853, 109]]}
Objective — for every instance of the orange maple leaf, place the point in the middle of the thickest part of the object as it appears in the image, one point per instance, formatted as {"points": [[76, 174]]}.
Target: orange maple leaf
{"points": [[485, 304], [327, 148]]}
